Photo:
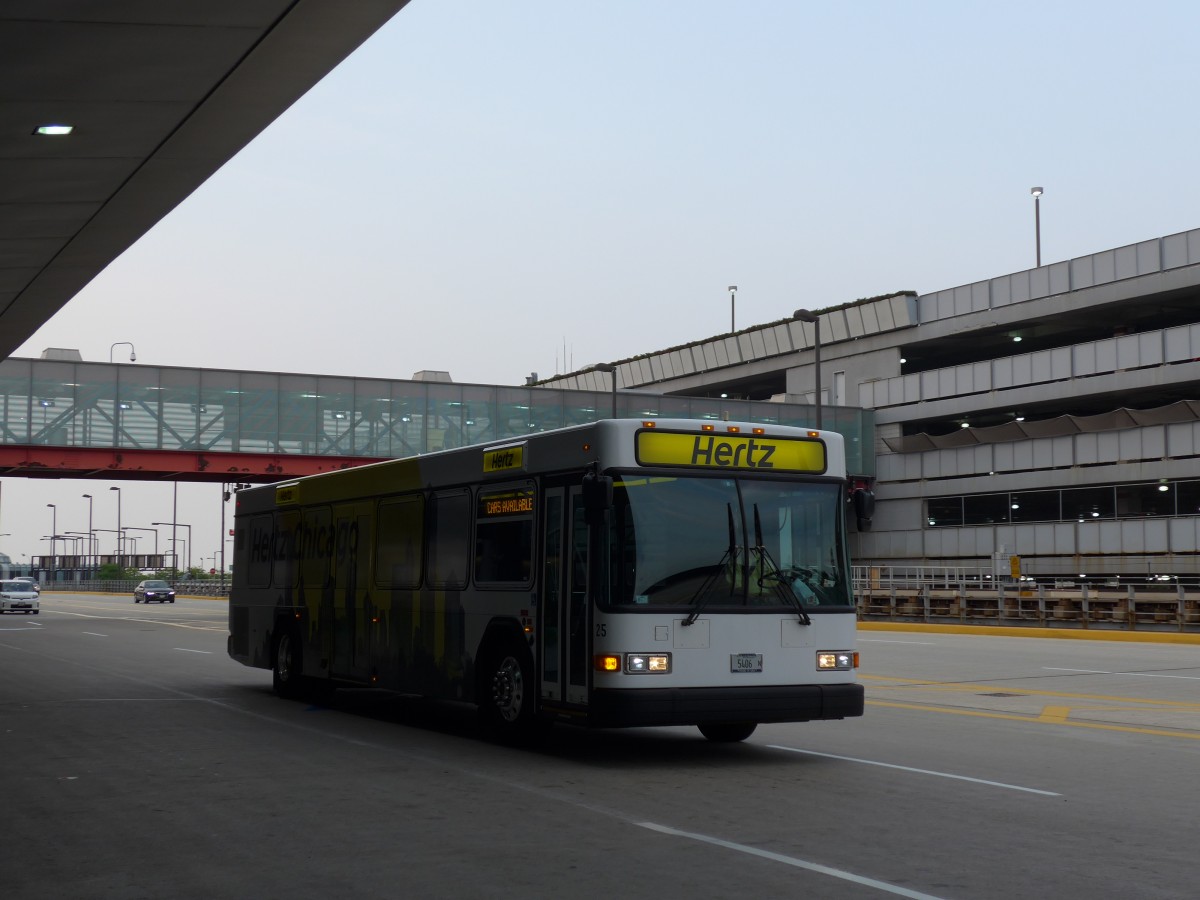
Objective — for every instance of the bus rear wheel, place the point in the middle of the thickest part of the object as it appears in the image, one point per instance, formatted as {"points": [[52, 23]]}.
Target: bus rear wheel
{"points": [[285, 673], [728, 732], [506, 697]]}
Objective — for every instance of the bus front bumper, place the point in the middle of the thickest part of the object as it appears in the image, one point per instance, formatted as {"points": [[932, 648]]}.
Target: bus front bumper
{"points": [[697, 706]]}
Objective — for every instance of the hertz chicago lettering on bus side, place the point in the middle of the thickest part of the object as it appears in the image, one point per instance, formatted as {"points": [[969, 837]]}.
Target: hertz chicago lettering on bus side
{"points": [[730, 451]]}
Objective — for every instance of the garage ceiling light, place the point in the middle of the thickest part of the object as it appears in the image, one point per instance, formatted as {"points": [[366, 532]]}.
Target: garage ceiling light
{"points": [[54, 129]]}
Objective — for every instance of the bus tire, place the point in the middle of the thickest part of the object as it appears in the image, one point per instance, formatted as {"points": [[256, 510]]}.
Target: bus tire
{"points": [[288, 663], [727, 732], [506, 696]]}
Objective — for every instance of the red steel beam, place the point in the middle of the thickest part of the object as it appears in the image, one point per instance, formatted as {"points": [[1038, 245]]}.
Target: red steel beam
{"points": [[31, 461]]}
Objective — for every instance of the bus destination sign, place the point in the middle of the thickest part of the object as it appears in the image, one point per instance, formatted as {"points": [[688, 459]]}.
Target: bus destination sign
{"points": [[755, 453]]}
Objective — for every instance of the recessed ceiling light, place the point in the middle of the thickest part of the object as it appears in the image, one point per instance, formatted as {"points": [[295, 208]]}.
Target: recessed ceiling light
{"points": [[54, 129]]}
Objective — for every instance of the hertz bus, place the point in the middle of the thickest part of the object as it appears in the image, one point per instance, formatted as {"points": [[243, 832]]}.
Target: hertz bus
{"points": [[621, 573]]}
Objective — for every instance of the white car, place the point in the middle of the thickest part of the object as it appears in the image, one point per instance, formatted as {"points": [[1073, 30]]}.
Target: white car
{"points": [[18, 596]]}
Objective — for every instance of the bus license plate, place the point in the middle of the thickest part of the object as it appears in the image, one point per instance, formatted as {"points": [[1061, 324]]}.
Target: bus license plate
{"points": [[745, 662]]}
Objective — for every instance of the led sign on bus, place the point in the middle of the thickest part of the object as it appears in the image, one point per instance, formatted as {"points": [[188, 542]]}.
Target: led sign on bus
{"points": [[756, 453], [506, 503]]}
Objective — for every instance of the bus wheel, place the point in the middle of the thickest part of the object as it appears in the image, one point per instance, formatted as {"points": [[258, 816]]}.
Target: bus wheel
{"points": [[285, 673], [506, 700], [728, 732]]}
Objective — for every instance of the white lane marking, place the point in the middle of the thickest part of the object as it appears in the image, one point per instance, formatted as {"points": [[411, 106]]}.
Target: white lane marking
{"points": [[871, 762], [95, 634], [790, 861], [186, 650], [1136, 674], [193, 627]]}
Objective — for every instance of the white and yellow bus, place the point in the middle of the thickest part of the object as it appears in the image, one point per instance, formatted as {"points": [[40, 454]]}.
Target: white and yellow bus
{"points": [[622, 573]]}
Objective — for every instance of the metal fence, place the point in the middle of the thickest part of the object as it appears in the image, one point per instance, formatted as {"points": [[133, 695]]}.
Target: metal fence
{"points": [[977, 596], [214, 588]]}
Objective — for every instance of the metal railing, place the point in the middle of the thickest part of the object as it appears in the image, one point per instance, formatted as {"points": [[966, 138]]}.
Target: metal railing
{"points": [[213, 588], [978, 597]]}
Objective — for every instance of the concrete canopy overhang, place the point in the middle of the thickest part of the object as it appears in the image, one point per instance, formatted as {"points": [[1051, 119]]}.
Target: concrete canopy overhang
{"points": [[160, 95]]}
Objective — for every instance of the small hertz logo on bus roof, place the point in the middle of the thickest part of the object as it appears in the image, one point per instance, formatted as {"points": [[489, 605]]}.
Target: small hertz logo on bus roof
{"points": [[504, 459], [727, 451], [286, 494]]}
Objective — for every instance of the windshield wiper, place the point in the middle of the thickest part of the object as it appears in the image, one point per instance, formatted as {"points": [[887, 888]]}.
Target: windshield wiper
{"points": [[782, 587], [699, 599]]}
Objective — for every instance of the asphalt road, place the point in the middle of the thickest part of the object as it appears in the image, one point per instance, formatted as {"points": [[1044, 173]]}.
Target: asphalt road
{"points": [[139, 761]]}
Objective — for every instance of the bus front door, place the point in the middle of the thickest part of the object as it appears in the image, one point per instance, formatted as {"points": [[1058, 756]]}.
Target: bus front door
{"points": [[563, 610]]}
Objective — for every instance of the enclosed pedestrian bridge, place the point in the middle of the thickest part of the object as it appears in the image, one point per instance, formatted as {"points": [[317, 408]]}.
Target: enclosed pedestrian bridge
{"points": [[69, 418]]}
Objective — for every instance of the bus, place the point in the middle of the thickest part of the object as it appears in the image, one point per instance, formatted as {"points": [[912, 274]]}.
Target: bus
{"points": [[620, 573]]}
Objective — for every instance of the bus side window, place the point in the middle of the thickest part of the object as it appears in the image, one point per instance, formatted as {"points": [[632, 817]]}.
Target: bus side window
{"points": [[448, 533]]}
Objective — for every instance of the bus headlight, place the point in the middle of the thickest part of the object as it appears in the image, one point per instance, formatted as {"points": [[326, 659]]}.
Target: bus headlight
{"points": [[647, 663], [837, 660]]}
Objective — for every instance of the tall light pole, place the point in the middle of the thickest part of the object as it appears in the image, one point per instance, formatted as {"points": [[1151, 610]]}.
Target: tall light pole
{"points": [[154, 531], [1037, 221], [612, 374], [805, 316], [120, 533], [189, 538], [91, 558], [53, 536], [732, 308], [91, 537], [132, 353], [174, 542]]}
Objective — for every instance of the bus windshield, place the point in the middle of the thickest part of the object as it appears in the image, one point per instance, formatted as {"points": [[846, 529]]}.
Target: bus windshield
{"points": [[726, 542]]}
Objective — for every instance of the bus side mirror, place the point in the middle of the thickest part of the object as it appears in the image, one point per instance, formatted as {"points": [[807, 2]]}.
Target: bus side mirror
{"points": [[864, 508], [597, 497]]}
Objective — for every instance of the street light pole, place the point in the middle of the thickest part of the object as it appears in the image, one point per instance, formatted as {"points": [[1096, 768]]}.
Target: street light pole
{"points": [[53, 538], [1037, 221], [189, 538], [153, 531], [175, 542], [132, 353], [91, 537], [805, 316], [732, 308], [612, 375], [120, 533]]}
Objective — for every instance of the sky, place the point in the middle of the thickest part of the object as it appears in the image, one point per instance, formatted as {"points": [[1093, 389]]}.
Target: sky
{"points": [[497, 189]]}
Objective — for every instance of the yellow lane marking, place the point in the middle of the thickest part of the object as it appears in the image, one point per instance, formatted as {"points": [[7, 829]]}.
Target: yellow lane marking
{"points": [[1024, 692], [1191, 736], [1056, 714]]}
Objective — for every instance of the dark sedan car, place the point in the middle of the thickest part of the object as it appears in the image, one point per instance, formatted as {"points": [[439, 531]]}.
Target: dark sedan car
{"points": [[157, 591]]}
